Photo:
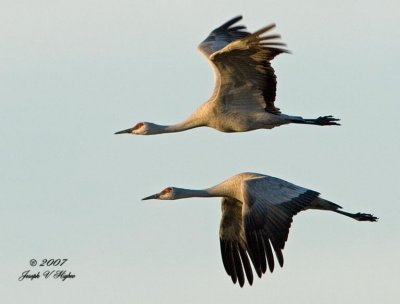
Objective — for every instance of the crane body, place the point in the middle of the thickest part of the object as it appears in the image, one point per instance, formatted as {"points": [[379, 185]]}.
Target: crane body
{"points": [[245, 85], [257, 212]]}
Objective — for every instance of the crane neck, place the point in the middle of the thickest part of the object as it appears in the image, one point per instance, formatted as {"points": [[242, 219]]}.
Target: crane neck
{"points": [[160, 129], [182, 126], [230, 188], [197, 119], [215, 191]]}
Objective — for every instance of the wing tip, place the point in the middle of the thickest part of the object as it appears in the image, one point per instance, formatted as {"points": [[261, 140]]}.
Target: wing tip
{"points": [[264, 29], [231, 21]]}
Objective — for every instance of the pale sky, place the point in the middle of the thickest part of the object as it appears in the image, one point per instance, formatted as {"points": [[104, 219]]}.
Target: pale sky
{"points": [[74, 72]]}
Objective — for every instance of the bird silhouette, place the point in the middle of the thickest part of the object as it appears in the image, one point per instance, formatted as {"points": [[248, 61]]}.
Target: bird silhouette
{"points": [[245, 85], [257, 212]]}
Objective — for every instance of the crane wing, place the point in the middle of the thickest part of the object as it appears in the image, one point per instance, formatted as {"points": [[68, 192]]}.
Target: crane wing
{"points": [[245, 78], [233, 243], [222, 36], [268, 208]]}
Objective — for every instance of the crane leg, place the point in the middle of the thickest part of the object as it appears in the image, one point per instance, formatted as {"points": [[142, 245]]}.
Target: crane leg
{"points": [[320, 121], [323, 204]]}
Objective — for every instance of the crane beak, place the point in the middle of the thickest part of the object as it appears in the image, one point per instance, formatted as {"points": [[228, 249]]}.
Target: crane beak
{"points": [[124, 131], [154, 196]]}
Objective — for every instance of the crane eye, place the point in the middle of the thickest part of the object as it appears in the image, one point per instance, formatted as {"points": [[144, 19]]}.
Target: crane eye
{"points": [[166, 190], [138, 126]]}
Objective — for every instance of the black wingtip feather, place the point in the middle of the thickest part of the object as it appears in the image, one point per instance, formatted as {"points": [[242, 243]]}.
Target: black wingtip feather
{"points": [[238, 28], [279, 256], [253, 253], [236, 262], [263, 262], [246, 265], [270, 256], [238, 265], [231, 262], [224, 254], [231, 21]]}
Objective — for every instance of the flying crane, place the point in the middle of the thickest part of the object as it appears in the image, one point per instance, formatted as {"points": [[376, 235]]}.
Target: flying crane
{"points": [[257, 212], [245, 85]]}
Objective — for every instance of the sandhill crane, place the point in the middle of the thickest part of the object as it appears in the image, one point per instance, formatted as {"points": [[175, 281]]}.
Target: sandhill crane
{"points": [[245, 85], [257, 212]]}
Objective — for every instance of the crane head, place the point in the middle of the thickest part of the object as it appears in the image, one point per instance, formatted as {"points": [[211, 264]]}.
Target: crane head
{"points": [[167, 194], [140, 128]]}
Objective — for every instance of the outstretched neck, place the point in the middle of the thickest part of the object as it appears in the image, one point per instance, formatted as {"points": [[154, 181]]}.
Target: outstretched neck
{"points": [[193, 121], [159, 129], [209, 192]]}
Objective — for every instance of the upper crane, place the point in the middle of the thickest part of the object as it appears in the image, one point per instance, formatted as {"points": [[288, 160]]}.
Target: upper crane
{"points": [[245, 85]]}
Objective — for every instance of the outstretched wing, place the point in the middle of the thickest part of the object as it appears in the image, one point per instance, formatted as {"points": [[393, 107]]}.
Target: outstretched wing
{"points": [[245, 79], [233, 242], [268, 209], [222, 36]]}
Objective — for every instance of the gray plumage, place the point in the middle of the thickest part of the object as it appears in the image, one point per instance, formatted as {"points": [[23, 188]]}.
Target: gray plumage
{"points": [[245, 85], [257, 212]]}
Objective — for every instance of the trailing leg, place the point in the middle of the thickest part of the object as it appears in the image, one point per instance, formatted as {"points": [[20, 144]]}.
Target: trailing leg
{"points": [[323, 204], [359, 216], [320, 121]]}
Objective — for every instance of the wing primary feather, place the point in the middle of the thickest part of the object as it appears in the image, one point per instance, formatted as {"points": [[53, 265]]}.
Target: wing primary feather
{"points": [[238, 264], [237, 28], [275, 237], [253, 252], [263, 30], [263, 262], [273, 43], [269, 37], [225, 256], [268, 251], [277, 51], [232, 262], [279, 256], [246, 265], [231, 21]]}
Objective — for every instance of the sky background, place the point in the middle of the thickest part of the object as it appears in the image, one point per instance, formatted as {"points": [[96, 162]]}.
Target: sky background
{"points": [[74, 72]]}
